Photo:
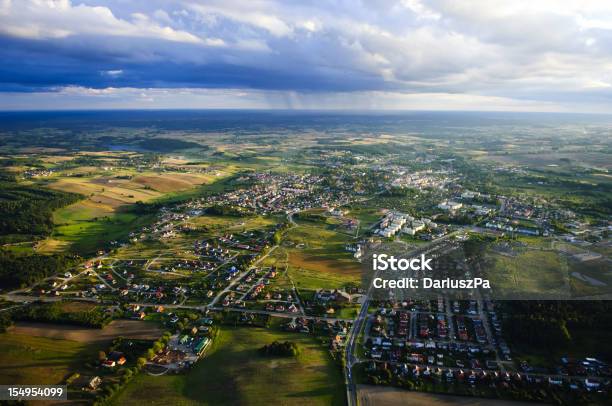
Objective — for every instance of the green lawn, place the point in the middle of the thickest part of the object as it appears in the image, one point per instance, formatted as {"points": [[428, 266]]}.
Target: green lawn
{"points": [[234, 372]]}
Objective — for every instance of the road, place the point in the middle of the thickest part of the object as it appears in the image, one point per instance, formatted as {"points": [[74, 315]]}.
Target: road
{"points": [[243, 274], [350, 359]]}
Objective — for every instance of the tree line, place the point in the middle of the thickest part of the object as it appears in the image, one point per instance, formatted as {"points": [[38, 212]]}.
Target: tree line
{"points": [[23, 270], [54, 313], [557, 325], [28, 209]]}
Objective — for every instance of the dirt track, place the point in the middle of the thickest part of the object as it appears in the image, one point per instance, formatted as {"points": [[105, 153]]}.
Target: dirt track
{"points": [[381, 395], [123, 328]]}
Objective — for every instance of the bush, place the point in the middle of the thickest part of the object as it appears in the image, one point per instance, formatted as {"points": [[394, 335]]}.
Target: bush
{"points": [[284, 349]]}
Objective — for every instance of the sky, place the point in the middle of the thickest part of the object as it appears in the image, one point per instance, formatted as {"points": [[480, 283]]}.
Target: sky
{"points": [[519, 55]]}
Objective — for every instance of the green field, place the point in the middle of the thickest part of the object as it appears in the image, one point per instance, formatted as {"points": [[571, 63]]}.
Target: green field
{"points": [[308, 279], [26, 359], [529, 272], [317, 257], [87, 236], [223, 224], [234, 372]]}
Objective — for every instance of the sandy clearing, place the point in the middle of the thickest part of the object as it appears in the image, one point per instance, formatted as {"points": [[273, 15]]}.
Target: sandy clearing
{"points": [[109, 181], [124, 328], [50, 245]]}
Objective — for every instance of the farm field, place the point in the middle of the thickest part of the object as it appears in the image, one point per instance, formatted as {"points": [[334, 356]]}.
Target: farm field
{"points": [[552, 160], [101, 217], [234, 372], [124, 328]]}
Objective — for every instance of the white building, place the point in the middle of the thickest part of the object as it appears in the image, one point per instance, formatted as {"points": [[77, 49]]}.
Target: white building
{"points": [[450, 205]]}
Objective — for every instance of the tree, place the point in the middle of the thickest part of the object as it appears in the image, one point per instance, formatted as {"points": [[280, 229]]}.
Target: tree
{"points": [[157, 346], [5, 321], [141, 362], [282, 349]]}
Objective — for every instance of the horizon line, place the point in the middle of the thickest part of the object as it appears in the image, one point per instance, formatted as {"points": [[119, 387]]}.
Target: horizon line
{"points": [[301, 110]]}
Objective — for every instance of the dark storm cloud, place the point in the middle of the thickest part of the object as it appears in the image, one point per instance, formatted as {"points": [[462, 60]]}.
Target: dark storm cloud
{"points": [[545, 50]]}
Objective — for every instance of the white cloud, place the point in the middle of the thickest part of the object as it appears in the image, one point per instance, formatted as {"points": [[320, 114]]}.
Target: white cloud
{"points": [[245, 13], [113, 73], [42, 19]]}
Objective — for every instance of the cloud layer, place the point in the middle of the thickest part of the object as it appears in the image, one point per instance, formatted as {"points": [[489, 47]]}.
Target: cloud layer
{"points": [[546, 54]]}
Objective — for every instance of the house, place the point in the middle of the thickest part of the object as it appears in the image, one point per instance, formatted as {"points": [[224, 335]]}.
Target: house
{"points": [[88, 382], [336, 212], [94, 382], [591, 384], [325, 295], [342, 296], [138, 315], [201, 345], [117, 357]]}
